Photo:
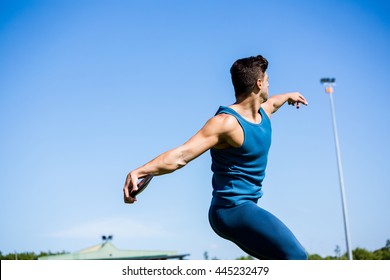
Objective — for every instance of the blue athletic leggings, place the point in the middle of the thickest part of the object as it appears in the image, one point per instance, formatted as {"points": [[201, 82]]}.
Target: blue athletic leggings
{"points": [[256, 231]]}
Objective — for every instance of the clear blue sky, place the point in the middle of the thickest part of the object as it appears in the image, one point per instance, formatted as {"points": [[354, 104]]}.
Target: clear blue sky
{"points": [[90, 90]]}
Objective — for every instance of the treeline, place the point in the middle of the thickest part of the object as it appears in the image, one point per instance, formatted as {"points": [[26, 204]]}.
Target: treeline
{"points": [[357, 254], [27, 255]]}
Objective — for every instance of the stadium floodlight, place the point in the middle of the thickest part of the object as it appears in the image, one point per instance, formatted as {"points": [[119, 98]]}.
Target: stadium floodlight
{"points": [[329, 84], [107, 238]]}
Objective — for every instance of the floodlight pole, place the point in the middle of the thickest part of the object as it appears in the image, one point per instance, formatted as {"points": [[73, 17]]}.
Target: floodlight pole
{"points": [[329, 83]]}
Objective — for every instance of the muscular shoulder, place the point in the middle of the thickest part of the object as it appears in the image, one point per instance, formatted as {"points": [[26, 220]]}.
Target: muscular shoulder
{"points": [[224, 123], [229, 131]]}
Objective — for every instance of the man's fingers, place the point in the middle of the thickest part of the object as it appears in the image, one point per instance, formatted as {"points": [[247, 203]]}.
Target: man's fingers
{"points": [[130, 185], [126, 187], [303, 100], [126, 192], [126, 196], [130, 200]]}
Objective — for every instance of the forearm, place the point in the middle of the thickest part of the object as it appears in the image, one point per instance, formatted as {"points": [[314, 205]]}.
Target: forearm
{"points": [[163, 164], [277, 101]]}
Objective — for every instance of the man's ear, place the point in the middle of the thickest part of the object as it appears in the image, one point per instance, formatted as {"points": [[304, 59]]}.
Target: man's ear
{"points": [[259, 84]]}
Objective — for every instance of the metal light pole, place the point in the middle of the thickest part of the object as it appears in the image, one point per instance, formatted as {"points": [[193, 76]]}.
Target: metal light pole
{"points": [[329, 83]]}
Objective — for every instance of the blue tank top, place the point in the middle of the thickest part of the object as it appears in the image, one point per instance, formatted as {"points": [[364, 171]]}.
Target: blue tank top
{"points": [[238, 172]]}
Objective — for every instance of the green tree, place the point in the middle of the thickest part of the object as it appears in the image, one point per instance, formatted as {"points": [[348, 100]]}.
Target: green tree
{"points": [[383, 253], [27, 255], [245, 258], [362, 254], [19, 256], [314, 257]]}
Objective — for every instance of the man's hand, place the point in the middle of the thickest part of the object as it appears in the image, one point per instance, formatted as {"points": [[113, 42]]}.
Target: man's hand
{"points": [[296, 99], [130, 185]]}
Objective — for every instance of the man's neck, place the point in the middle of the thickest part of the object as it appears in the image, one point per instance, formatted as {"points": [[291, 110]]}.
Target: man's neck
{"points": [[249, 107]]}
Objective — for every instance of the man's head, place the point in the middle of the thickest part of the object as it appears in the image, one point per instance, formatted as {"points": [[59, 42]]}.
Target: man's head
{"points": [[248, 75]]}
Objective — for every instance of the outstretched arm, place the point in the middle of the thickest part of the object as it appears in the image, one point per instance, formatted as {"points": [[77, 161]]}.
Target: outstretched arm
{"points": [[275, 102], [210, 135]]}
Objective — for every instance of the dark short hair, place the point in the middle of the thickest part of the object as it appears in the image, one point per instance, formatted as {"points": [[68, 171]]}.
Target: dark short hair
{"points": [[246, 71]]}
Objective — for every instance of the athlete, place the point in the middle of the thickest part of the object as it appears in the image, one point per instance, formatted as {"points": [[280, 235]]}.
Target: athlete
{"points": [[239, 138]]}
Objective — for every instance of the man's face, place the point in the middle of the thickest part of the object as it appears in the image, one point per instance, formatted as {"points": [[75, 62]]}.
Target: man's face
{"points": [[264, 87]]}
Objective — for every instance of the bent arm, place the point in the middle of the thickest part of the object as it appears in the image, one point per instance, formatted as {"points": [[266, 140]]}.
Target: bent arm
{"points": [[275, 102]]}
